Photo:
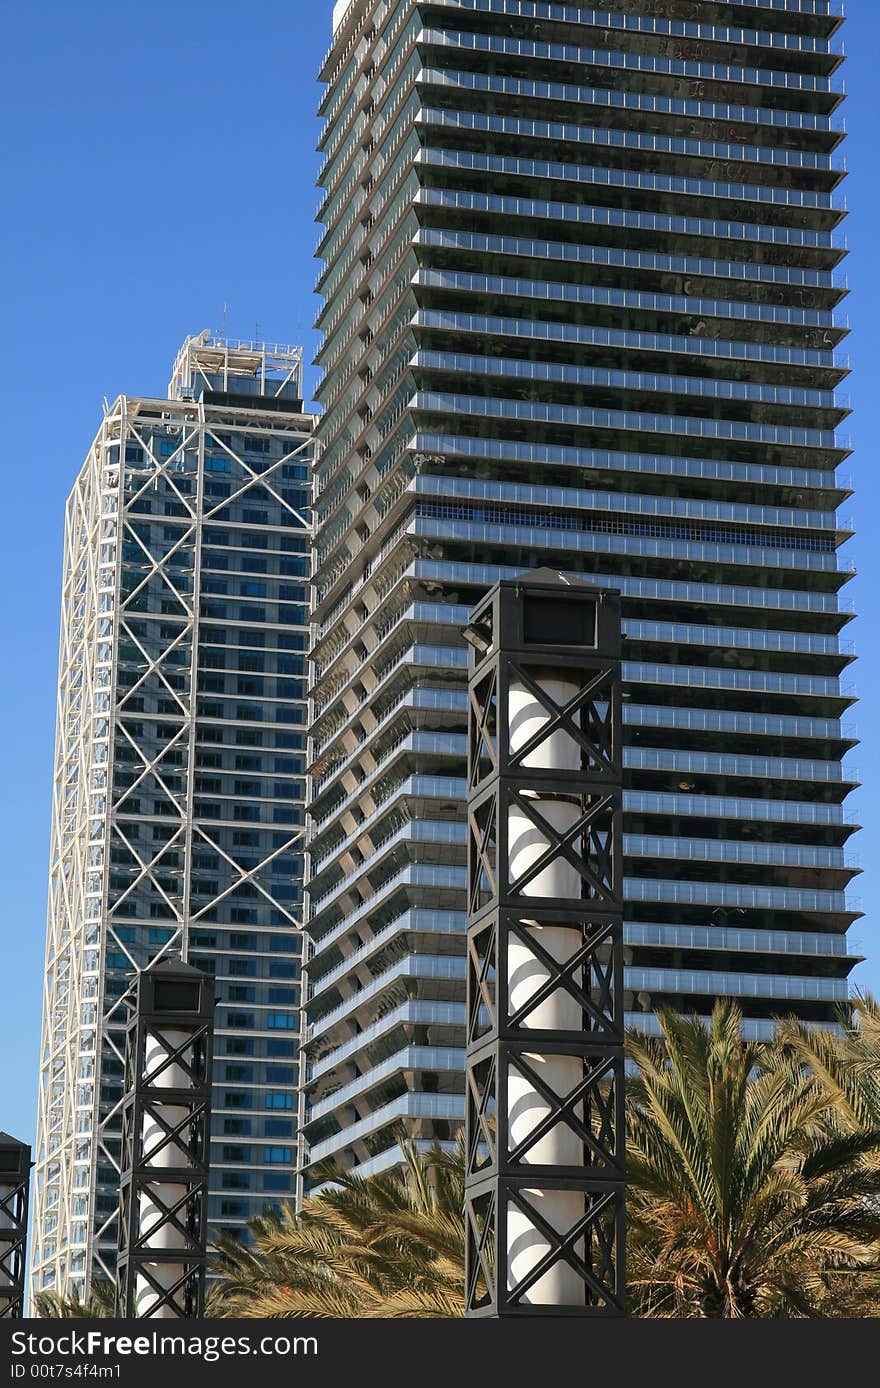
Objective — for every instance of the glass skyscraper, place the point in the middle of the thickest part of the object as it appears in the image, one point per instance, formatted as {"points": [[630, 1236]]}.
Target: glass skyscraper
{"points": [[179, 779], [581, 273]]}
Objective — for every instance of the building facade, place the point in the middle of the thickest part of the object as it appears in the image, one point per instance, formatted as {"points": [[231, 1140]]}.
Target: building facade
{"points": [[581, 270], [179, 779]]}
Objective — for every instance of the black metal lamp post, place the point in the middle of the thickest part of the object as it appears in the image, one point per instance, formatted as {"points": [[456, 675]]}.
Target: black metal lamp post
{"points": [[15, 1180], [545, 1181], [166, 1144]]}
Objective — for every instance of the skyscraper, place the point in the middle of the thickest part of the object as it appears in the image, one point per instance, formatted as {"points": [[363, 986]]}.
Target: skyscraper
{"points": [[177, 811], [580, 278]]}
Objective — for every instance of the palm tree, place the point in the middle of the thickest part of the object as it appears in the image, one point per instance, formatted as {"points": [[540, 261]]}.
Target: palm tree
{"points": [[752, 1192], [100, 1304], [377, 1246], [846, 1062], [747, 1197]]}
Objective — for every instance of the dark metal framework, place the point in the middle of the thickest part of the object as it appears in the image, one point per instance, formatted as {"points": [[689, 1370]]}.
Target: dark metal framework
{"points": [[543, 634], [15, 1180], [166, 1142]]}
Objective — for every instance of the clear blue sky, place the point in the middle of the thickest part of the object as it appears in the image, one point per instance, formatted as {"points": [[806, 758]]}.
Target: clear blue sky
{"points": [[158, 162]]}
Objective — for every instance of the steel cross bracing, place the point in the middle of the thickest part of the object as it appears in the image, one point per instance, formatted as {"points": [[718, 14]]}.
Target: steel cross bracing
{"points": [[567, 950], [126, 589]]}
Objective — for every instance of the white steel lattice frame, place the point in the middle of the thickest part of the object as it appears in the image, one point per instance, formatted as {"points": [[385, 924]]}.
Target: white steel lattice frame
{"points": [[205, 361], [81, 1020]]}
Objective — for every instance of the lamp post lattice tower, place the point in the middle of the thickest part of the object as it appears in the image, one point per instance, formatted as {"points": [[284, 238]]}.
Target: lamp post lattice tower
{"points": [[545, 1178]]}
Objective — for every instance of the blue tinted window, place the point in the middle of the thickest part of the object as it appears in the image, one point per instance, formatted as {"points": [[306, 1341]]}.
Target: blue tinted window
{"points": [[279, 1100], [278, 1127], [279, 1156], [277, 1180]]}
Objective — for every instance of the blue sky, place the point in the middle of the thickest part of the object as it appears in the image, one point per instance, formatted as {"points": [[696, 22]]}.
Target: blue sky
{"points": [[160, 164]]}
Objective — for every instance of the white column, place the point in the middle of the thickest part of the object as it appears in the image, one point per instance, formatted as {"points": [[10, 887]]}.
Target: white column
{"points": [[166, 1237], [560, 1285]]}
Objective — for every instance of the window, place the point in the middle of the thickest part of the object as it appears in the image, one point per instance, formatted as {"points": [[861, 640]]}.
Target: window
{"points": [[279, 1048], [281, 1021], [240, 1072], [234, 1098], [277, 1099], [236, 1153], [239, 992], [278, 1156], [277, 1074], [239, 1045], [236, 1180], [277, 1127], [286, 891], [284, 970], [237, 1127], [284, 944], [241, 1020], [282, 995], [252, 685], [276, 1180]]}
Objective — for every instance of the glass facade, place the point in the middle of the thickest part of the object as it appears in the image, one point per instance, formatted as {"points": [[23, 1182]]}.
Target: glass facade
{"points": [[581, 277], [178, 817]]}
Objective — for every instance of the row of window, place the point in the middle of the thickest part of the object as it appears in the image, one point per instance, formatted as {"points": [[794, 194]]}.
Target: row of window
{"points": [[243, 612], [280, 1156], [272, 1099], [270, 1021], [271, 1127], [567, 520]]}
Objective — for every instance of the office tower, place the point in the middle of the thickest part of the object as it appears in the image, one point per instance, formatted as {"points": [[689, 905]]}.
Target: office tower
{"points": [[177, 810], [580, 278]]}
